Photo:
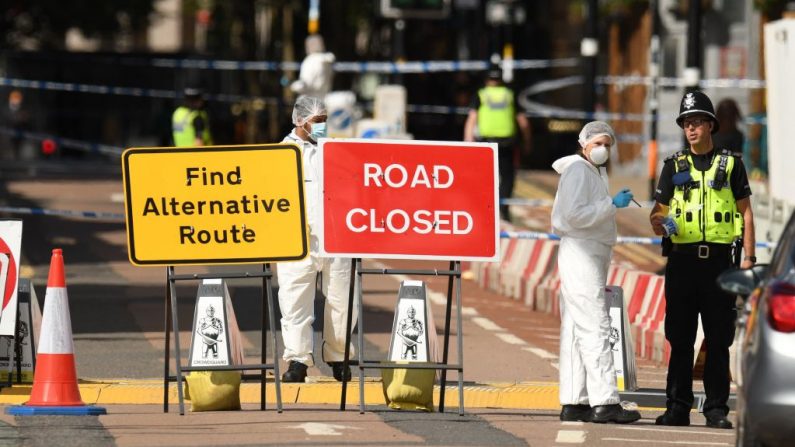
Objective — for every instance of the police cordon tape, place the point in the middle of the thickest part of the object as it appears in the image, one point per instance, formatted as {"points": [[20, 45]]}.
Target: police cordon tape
{"points": [[64, 213], [534, 112], [95, 148], [532, 235], [366, 66]]}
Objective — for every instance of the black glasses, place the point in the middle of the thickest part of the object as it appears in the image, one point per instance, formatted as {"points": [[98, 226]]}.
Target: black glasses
{"points": [[695, 122]]}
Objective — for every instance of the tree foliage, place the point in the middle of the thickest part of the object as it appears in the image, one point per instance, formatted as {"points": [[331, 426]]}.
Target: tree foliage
{"points": [[42, 24]]}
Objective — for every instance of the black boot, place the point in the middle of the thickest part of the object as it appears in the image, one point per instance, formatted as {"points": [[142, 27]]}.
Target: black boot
{"points": [[673, 418], [296, 372], [339, 374], [571, 413], [716, 419], [613, 413]]}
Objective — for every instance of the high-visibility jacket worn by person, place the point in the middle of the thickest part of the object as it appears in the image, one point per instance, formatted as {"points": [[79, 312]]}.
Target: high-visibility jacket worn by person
{"points": [[496, 115], [184, 130], [704, 206]]}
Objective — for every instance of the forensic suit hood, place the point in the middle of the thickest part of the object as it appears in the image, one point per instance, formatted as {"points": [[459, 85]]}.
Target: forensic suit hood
{"points": [[583, 208]]}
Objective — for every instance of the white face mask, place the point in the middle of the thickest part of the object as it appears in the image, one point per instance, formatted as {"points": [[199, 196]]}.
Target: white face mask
{"points": [[599, 155]]}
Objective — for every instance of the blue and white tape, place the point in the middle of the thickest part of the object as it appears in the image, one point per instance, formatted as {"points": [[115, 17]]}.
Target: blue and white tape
{"points": [[63, 213], [86, 146], [503, 234], [535, 235], [386, 67]]}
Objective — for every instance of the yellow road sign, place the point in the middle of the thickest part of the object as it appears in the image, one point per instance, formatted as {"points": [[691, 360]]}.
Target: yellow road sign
{"points": [[214, 205]]}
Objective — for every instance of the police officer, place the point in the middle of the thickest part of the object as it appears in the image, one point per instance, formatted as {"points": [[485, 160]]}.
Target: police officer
{"points": [[702, 206], [189, 123], [495, 114], [297, 279]]}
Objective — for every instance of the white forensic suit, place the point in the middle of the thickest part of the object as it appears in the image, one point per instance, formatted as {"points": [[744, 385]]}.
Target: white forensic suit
{"points": [[583, 215], [297, 281]]}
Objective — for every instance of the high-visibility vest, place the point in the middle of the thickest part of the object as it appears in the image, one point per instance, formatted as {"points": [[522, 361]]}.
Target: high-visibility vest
{"points": [[709, 212], [496, 115], [182, 127]]}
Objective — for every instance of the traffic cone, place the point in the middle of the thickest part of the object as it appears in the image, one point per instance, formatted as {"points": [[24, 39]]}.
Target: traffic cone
{"points": [[55, 390]]}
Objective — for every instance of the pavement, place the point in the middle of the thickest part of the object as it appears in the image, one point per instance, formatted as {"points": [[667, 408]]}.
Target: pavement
{"points": [[509, 350], [484, 387]]}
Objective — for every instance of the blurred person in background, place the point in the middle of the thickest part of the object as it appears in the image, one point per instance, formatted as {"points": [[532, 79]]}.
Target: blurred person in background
{"points": [[493, 117], [316, 74], [584, 216], [297, 279], [190, 124], [17, 117], [729, 136]]}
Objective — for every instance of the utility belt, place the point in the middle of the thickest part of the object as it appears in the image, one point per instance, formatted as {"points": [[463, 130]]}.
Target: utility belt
{"points": [[503, 143], [704, 250]]}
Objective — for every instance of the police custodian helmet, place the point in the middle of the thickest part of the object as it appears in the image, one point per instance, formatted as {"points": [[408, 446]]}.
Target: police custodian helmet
{"points": [[696, 102]]}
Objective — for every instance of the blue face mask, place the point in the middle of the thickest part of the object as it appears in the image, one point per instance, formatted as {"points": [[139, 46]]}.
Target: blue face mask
{"points": [[318, 131]]}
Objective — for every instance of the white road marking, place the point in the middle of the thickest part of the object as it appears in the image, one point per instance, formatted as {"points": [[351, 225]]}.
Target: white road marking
{"points": [[320, 429], [555, 365], [657, 441], [510, 338], [437, 297], [487, 324], [543, 353], [469, 311], [570, 437], [714, 432], [117, 197], [572, 423]]}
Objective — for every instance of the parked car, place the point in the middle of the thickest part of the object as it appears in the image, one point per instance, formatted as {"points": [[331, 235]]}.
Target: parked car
{"points": [[766, 333]]}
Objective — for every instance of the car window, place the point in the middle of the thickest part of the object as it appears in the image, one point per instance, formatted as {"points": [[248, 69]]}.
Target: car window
{"points": [[784, 256]]}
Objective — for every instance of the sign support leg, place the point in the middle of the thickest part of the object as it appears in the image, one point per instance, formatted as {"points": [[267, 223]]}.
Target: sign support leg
{"points": [[277, 378], [348, 324], [175, 324], [360, 336], [167, 336], [446, 349], [456, 266]]}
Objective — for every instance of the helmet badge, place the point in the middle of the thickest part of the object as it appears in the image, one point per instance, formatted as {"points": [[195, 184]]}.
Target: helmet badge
{"points": [[689, 101]]}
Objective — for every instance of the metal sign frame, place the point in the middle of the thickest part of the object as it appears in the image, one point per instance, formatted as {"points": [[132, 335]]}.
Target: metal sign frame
{"points": [[453, 287], [268, 318]]}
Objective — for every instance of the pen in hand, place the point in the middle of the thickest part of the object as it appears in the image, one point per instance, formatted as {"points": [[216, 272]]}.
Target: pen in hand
{"points": [[636, 203]]}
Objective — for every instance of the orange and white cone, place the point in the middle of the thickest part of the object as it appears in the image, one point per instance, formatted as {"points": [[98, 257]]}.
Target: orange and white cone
{"points": [[55, 388]]}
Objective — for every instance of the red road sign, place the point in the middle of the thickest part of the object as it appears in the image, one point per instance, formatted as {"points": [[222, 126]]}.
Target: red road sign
{"points": [[409, 199]]}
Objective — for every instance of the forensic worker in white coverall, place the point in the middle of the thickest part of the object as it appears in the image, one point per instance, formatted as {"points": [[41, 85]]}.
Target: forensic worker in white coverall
{"points": [[583, 215], [297, 279]]}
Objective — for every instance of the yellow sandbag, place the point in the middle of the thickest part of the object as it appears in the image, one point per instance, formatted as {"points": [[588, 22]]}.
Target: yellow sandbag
{"points": [[214, 390], [409, 389]]}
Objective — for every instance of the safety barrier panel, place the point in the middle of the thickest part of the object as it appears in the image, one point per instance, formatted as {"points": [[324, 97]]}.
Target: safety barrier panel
{"points": [[528, 272]]}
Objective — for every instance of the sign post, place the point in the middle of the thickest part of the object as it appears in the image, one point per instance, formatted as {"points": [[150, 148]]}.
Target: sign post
{"points": [[409, 200], [215, 205]]}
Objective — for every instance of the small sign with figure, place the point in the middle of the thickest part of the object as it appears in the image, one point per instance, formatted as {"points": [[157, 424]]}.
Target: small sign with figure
{"points": [[209, 345], [413, 330]]}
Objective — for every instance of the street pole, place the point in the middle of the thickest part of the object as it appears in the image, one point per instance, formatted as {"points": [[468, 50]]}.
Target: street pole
{"points": [[692, 73], [507, 47], [398, 47], [313, 26], [589, 47], [654, 103]]}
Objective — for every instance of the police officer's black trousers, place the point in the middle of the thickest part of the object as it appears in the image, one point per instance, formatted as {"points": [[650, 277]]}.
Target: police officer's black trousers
{"points": [[690, 290], [507, 177]]}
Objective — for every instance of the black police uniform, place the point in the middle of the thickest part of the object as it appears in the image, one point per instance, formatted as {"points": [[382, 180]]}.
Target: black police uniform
{"points": [[691, 289]]}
